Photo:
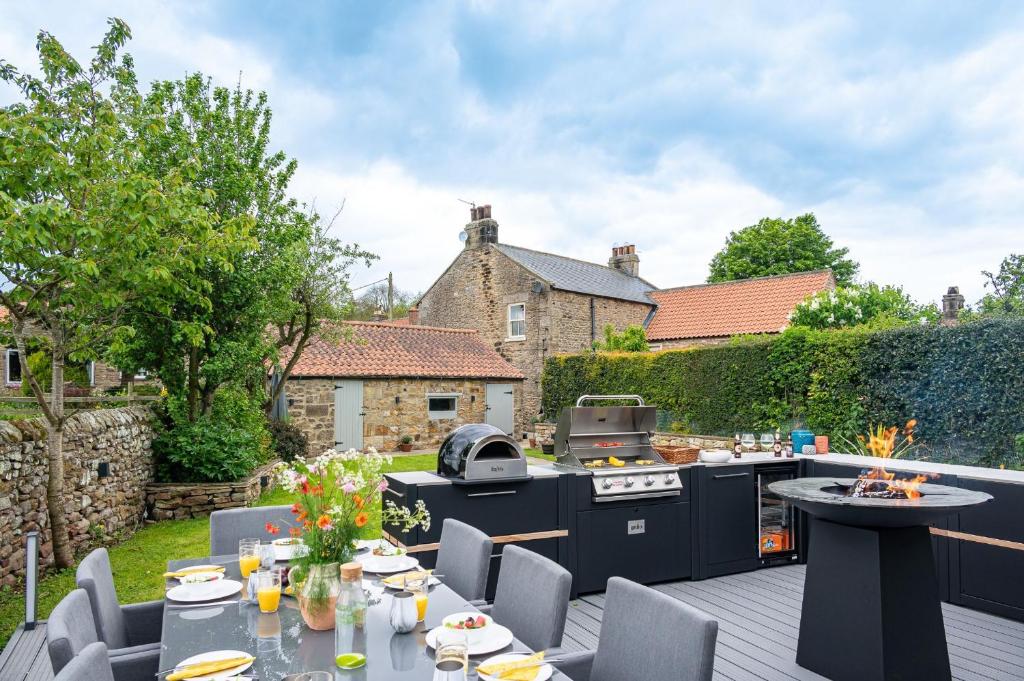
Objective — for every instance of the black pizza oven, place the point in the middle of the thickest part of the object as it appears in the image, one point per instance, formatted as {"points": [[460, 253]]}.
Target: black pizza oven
{"points": [[478, 453]]}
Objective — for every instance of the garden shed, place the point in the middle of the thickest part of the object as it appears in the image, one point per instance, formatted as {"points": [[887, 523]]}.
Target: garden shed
{"points": [[384, 381]]}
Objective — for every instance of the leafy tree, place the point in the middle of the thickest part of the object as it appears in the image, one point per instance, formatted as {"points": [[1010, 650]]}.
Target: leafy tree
{"points": [[1007, 296], [374, 301], [778, 246], [85, 230], [632, 339], [861, 305]]}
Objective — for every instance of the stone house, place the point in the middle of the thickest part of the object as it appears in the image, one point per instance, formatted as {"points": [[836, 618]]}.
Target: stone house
{"points": [[706, 314], [391, 380], [529, 305]]}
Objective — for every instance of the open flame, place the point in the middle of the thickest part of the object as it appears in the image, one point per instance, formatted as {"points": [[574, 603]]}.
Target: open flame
{"points": [[880, 483]]}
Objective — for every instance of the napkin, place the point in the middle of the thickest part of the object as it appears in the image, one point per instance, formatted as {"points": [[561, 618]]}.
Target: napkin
{"points": [[203, 668], [187, 571], [525, 669], [397, 580]]}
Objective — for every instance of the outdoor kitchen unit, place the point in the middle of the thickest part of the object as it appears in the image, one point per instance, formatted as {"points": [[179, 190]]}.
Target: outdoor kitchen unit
{"points": [[632, 508]]}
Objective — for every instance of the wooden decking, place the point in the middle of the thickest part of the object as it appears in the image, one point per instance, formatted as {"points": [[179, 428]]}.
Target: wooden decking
{"points": [[758, 615]]}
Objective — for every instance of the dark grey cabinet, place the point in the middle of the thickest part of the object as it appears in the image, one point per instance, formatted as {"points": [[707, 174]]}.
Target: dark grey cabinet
{"points": [[728, 519]]}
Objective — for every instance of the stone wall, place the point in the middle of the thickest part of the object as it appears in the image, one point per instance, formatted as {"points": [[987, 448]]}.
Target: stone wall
{"points": [[311, 408], [685, 343], [475, 292], [97, 508], [176, 501]]}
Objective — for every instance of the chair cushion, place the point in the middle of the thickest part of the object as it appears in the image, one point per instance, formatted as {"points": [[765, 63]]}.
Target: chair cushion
{"points": [[648, 635], [464, 559], [70, 629], [230, 525], [532, 598], [95, 576], [91, 664]]}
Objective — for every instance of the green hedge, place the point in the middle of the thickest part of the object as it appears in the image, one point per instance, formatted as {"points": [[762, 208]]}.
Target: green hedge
{"points": [[965, 385]]}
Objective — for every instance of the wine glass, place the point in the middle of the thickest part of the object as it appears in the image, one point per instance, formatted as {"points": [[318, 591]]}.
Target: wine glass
{"points": [[747, 440], [767, 441]]}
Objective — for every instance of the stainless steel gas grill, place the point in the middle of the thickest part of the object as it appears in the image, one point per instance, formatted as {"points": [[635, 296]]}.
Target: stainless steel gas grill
{"points": [[614, 444]]}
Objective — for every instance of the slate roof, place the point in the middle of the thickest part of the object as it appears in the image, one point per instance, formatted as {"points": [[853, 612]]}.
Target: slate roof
{"points": [[569, 274], [760, 305], [380, 349]]}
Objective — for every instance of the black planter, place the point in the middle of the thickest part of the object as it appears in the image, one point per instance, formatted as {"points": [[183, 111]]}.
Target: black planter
{"points": [[548, 449]]}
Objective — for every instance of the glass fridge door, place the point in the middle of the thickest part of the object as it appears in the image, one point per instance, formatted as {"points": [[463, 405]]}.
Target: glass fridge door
{"points": [[776, 518]]}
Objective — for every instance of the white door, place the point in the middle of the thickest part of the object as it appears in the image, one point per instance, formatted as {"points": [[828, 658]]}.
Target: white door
{"points": [[348, 415], [500, 406]]}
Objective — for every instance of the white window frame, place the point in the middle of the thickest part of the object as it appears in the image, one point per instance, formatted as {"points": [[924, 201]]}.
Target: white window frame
{"points": [[141, 375], [437, 415], [509, 321], [7, 367]]}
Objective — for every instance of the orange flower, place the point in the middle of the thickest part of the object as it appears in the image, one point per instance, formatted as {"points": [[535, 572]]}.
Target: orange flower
{"points": [[272, 528], [296, 508], [294, 532], [308, 525], [323, 522], [302, 516], [362, 519], [358, 500]]}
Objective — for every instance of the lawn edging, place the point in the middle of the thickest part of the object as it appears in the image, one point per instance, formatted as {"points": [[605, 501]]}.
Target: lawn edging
{"points": [[181, 500]]}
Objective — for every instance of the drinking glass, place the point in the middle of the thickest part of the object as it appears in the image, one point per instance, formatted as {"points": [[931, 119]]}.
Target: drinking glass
{"points": [[268, 590], [767, 441], [419, 588], [248, 555], [747, 440], [267, 556], [452, 656]]}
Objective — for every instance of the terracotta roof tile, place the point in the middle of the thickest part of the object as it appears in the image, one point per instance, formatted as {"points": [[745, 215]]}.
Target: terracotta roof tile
{"points": [[390, 350], [760, 305]]}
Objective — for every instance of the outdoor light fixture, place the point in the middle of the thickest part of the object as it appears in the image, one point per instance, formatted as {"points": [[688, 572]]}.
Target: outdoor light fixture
{"points": [[31, 578], [264, 481], [472, 398], [103, 469], [398, 399]]}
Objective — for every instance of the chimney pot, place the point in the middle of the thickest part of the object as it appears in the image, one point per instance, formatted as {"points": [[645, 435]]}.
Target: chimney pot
{"points": [[625, 260], [414, 316], [952, 303]]}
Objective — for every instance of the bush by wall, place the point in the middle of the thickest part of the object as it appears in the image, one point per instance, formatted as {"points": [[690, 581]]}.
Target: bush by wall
{"points": [[965, 384]]}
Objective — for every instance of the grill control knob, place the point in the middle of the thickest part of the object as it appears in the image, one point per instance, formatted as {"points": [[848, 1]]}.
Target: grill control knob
{"points": [[629, 481], [649, 480], [606, 483], [670, 478]]}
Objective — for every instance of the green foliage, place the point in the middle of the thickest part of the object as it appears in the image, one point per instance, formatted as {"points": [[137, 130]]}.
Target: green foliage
{"points": [[632, 339], [39, 366], [865, 304], [223, 445], [288, 441], [778, 246], [964, 385], [1007, 296]]}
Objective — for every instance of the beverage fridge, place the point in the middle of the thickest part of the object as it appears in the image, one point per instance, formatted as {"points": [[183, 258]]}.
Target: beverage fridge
{"points": [[777, 541]]}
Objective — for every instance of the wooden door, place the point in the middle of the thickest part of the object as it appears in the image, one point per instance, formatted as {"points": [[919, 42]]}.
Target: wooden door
{"points": [[348, 415]]}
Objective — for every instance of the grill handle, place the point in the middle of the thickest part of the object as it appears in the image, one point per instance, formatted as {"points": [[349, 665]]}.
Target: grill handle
{"points": [[492, 494], [594, 398]]}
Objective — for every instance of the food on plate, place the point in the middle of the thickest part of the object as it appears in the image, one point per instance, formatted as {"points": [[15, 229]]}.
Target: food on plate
{"points": [[523, 669], [287, 541], [609, 444], [198, 577], [596, 463], [470, 623], [389, 551], [204, 668], [400, 579], [616, 462], [190, 570]]}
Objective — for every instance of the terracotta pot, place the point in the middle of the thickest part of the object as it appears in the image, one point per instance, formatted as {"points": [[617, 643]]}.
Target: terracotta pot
{"points": [[318, 595], [533, 443], [405, 447]]}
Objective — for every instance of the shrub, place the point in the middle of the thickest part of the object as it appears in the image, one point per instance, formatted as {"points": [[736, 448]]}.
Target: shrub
{"points": [[41, 367], [288, 441], [964, 385], [223, 445]]}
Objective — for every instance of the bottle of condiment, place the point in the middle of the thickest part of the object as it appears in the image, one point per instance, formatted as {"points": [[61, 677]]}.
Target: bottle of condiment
{"points": [[777, 445], [350, 612], [737, 448], [789, 447]]}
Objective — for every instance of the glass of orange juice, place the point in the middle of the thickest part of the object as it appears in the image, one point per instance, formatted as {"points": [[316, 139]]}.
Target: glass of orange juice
{"points": [[268, 590], [418, 587], [248, 555]]}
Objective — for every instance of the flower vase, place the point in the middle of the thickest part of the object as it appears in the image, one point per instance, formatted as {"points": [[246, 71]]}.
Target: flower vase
{"points": [[318, 595]]}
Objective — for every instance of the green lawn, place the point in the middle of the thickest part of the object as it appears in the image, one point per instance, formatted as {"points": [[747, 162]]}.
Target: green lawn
{"points": [[139, 562]]}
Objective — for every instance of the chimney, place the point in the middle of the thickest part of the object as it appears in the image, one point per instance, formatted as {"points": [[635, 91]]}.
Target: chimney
{"points": [[414, 316], [952, 303], [625, 259], [482, 229]]}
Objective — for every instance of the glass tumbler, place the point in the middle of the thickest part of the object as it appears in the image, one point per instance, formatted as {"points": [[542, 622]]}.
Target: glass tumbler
{"points": [[452, 655], [248, 556]]}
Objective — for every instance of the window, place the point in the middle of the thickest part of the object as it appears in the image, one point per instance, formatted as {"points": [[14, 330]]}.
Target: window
{"points": [[442, 406], [141, 375], [13, 367], [517, 321], [90, 370]]}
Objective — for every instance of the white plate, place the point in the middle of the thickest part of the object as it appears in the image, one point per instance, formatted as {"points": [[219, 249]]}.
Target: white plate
{"points": [[498, 638], [205, 591], [386, 565], [218, 655], [202, 568], [543, 674]]}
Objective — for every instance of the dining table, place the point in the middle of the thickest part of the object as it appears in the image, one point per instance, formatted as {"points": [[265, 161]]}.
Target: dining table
{"points": [[282, 643]]}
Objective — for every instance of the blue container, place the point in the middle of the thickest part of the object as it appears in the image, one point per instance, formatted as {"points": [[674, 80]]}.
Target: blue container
{"points": [[801, 438]]}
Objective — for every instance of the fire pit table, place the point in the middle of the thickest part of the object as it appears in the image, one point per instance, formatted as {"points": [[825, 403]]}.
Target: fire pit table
{"points": [[871, 608]]}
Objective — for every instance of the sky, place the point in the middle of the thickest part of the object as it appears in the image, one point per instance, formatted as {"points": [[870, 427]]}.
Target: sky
{"points": [[587, 124]]}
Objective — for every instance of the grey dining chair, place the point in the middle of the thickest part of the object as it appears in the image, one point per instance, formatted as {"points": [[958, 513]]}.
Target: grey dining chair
{"points": [[464, 559], [646, 634], [70, 629], [230, 525], [89, 665], [532, 598], [119, 626]]}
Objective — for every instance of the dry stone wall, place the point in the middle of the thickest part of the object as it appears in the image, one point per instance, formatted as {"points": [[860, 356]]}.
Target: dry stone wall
{"points": [[97, 508], [547, 430], [177, 501]]}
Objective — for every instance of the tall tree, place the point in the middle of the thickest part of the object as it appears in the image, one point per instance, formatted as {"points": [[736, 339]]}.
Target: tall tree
{"points": [[1007, 296], [85, 229], [778, 246]]}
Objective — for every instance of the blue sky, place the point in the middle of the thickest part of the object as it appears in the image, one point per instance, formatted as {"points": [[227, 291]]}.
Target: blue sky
{"points": [[901, 125]]}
